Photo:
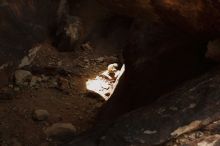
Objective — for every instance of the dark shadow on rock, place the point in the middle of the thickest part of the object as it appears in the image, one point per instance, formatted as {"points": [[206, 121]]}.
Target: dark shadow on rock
{"points": [[195, 104]]}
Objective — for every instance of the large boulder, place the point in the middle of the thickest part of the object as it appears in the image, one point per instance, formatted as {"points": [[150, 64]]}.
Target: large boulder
{"points": [[188, 116], [158, 57], [162, 50], [190, 108]]}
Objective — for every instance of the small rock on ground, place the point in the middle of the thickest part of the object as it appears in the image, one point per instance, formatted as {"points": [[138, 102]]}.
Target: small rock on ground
{"points": [[40, 115], [21, 76], [61, 131]]}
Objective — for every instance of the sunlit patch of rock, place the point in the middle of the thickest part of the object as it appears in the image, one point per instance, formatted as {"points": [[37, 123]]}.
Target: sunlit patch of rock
{"points": [[105, 83]]}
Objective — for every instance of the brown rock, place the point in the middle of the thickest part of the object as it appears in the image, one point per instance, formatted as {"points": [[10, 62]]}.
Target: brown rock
{"points": [[61, 131], [22, 76], [40, 115], [197, 15]]}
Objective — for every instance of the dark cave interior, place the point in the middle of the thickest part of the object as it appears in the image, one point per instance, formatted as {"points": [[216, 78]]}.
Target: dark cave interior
{"points": [[50, 49]]}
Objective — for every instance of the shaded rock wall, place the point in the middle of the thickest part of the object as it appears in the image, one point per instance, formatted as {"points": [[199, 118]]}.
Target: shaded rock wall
{"points": [[163, 50], [199, 15], [158, 58], [23, 24], [191, 109]]}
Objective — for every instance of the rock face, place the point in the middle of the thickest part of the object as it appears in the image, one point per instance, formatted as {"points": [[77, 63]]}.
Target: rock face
{"points": [[188, 116], [157, 48], [199, 15], [24, 23], [155, 58], [69, 33]]}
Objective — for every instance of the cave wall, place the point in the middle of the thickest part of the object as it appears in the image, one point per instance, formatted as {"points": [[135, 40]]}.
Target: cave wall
{"points": [[165, 48], [23, 24], [197, 15], [158, 63]]}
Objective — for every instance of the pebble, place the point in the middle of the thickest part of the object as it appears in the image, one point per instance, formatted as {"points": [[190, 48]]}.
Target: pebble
{"points": [[21, 76], [40, 115], [149, 132]]}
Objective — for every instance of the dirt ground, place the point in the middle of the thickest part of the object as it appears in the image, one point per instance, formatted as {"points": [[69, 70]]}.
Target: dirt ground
{"points": [[58, 85]]}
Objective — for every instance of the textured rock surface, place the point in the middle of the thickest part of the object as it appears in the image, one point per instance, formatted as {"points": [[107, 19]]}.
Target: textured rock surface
{"points": [[196, 15], [190, 108], [155, 58], [156, 52], [131, 7], [23, 24], [69, 33]]}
